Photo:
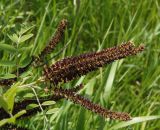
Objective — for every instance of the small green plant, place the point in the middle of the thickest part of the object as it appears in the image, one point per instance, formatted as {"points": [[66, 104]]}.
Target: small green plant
{"points": [[17, 57]]}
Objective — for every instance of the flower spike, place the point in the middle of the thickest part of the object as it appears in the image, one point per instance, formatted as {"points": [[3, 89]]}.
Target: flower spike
{"points": [[56, 38], [77, 99], [72, 67]]}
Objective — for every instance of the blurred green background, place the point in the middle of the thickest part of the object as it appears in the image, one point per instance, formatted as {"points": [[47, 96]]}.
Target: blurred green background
{"points": [[130, 85]]}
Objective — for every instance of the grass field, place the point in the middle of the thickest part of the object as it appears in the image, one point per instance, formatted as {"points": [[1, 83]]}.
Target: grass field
{"points": [[130, 85]]}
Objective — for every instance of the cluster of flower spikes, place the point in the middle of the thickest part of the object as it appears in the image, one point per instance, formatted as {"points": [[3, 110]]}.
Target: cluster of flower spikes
{"points": [[69, 68]]}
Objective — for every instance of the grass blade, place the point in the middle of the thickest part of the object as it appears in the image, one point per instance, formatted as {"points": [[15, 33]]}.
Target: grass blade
{"points": [[134, 121]]}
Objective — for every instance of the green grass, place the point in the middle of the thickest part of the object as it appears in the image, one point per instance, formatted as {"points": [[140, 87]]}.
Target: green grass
{"points": [[129, 85]]}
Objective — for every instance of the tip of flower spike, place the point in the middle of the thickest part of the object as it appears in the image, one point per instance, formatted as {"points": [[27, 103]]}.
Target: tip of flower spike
{"points": [[56, 38], [141, 47], [131, 43], [131, 46], [63, 23], [125, 117]]}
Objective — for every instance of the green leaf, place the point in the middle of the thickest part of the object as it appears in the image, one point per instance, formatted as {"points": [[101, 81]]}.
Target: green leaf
{"points": [[3, 122], [25, 49], [31, 106], [81, 120], [10, 95], [47, 103], [11, 120], [25, 29], [134, 121], [29, 95], [19, 114], [3, 103], [25, 37], [25, 62], [53, 117], [14, 38], [7, 47], [51, 111], [110, 80], [7, 63], [90, 86], [7, 76]]}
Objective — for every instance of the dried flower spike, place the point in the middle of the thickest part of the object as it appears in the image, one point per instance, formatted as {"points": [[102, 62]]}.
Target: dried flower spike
{"points": [[77, 99], [72, 67], [56, 38]]}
